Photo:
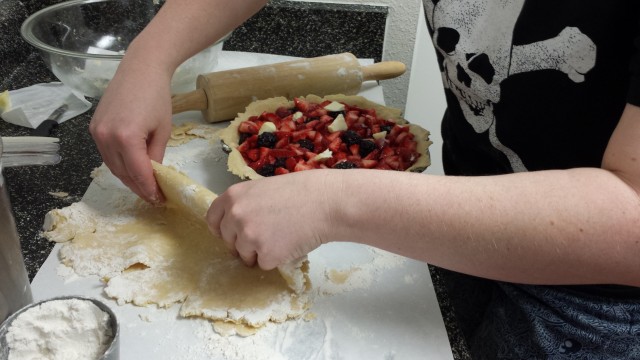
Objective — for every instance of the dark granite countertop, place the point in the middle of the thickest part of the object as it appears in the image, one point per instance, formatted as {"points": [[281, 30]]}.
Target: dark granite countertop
{"points": [[338, 28]]}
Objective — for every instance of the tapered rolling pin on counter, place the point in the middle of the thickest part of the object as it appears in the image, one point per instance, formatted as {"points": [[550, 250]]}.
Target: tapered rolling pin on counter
{"points": [[222, 95]]}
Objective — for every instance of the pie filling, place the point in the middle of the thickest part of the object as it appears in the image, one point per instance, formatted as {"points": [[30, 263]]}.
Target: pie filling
{"points": [[329, 134]]}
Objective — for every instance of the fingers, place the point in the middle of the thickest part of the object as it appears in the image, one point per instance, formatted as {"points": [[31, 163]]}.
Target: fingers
{"points": [[215, 216], [139, 174], [223, 225], [132, 165]]}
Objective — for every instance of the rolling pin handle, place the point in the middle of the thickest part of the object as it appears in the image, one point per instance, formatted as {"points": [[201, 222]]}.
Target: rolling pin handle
{"points": [[194, 100], [383, 70]]}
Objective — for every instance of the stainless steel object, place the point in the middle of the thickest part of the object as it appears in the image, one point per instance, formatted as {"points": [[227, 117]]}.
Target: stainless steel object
{"points": [[111, 353], [29, 150], [15, 290]]}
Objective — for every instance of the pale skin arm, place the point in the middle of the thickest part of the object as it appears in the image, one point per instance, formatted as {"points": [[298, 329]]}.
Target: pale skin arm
{"points": [[132, 122], [578, 226]]}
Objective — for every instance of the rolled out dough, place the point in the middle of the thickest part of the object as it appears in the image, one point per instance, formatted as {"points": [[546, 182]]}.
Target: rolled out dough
{"points": [[149, 255]]}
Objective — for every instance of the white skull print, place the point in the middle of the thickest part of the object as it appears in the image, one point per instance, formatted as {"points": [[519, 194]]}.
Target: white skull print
{"points": [[475, 39]]}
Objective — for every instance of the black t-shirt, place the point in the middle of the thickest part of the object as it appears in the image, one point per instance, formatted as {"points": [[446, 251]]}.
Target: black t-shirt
{"points": [[533, 84]]}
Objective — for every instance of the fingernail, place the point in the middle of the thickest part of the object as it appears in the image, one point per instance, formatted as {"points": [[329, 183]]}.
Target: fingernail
{"points": [[155, 201]]}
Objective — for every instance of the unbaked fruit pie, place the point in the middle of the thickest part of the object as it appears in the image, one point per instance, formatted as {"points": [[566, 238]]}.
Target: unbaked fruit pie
{"points": [[277, 136]]}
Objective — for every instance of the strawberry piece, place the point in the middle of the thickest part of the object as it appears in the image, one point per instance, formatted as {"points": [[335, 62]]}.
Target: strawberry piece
{"points": [[248, 127], [309, 155], [264, 152], [282, 143], [340, 156], [318, 139], [299, 134], [283, 112], [281, 134], [334, 146], [268, 116], [287, 126], [369, 164], [402, 137], [301, 167], [409, 144], [257, 165], [332, 136], [312, 124], [281, 171], [326, 119], [407, 155], [383, 166], [354, 149], [382, 142], [351, 117], [298, 149], [317, 112], [282, 153], [397, 129], [386, 152], [249, 143], [311, 134], [372, 155], [253, 154], [393, 162], [301, 104], [290, 163]]}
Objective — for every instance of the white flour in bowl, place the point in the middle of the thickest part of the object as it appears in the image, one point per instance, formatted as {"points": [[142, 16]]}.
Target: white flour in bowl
{"points": [[66, 329]]}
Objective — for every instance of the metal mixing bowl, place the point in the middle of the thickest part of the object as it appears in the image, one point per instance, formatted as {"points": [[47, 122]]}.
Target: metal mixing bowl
{"points": [[111, 353], [83, 41]]}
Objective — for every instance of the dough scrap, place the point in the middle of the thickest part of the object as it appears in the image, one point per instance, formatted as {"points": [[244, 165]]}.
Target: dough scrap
{"points": [[148, 255], [183, 133]]}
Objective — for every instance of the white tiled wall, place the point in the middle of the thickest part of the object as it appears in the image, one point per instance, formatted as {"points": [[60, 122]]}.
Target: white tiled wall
{"points": [[425, 100]]}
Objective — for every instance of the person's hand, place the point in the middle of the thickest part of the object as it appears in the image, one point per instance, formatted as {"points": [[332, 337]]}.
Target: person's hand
{"points": [[278, 219], [132, 125]]}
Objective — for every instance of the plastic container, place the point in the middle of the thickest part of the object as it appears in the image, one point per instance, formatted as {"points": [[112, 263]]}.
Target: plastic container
{"points": [[83, 41]]}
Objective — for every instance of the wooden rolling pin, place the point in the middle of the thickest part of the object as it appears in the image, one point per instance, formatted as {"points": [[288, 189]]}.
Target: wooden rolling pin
{"points": [[222, 95]]}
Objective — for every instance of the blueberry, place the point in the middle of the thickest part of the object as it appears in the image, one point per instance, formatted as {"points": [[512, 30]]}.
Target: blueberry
{"points": [[307, 144], [366, 147], [243, 137], [345, 165], [267, 139], [386, 128], [334, 114], [280, 162], [267, 170], [350, 137]]}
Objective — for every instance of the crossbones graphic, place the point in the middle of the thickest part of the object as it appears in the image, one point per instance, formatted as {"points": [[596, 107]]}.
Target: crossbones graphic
{"points": [[475, 39]]}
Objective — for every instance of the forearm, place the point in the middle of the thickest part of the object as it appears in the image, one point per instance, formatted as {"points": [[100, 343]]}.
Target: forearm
{"points": [[182, 28], [552, 227]]}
